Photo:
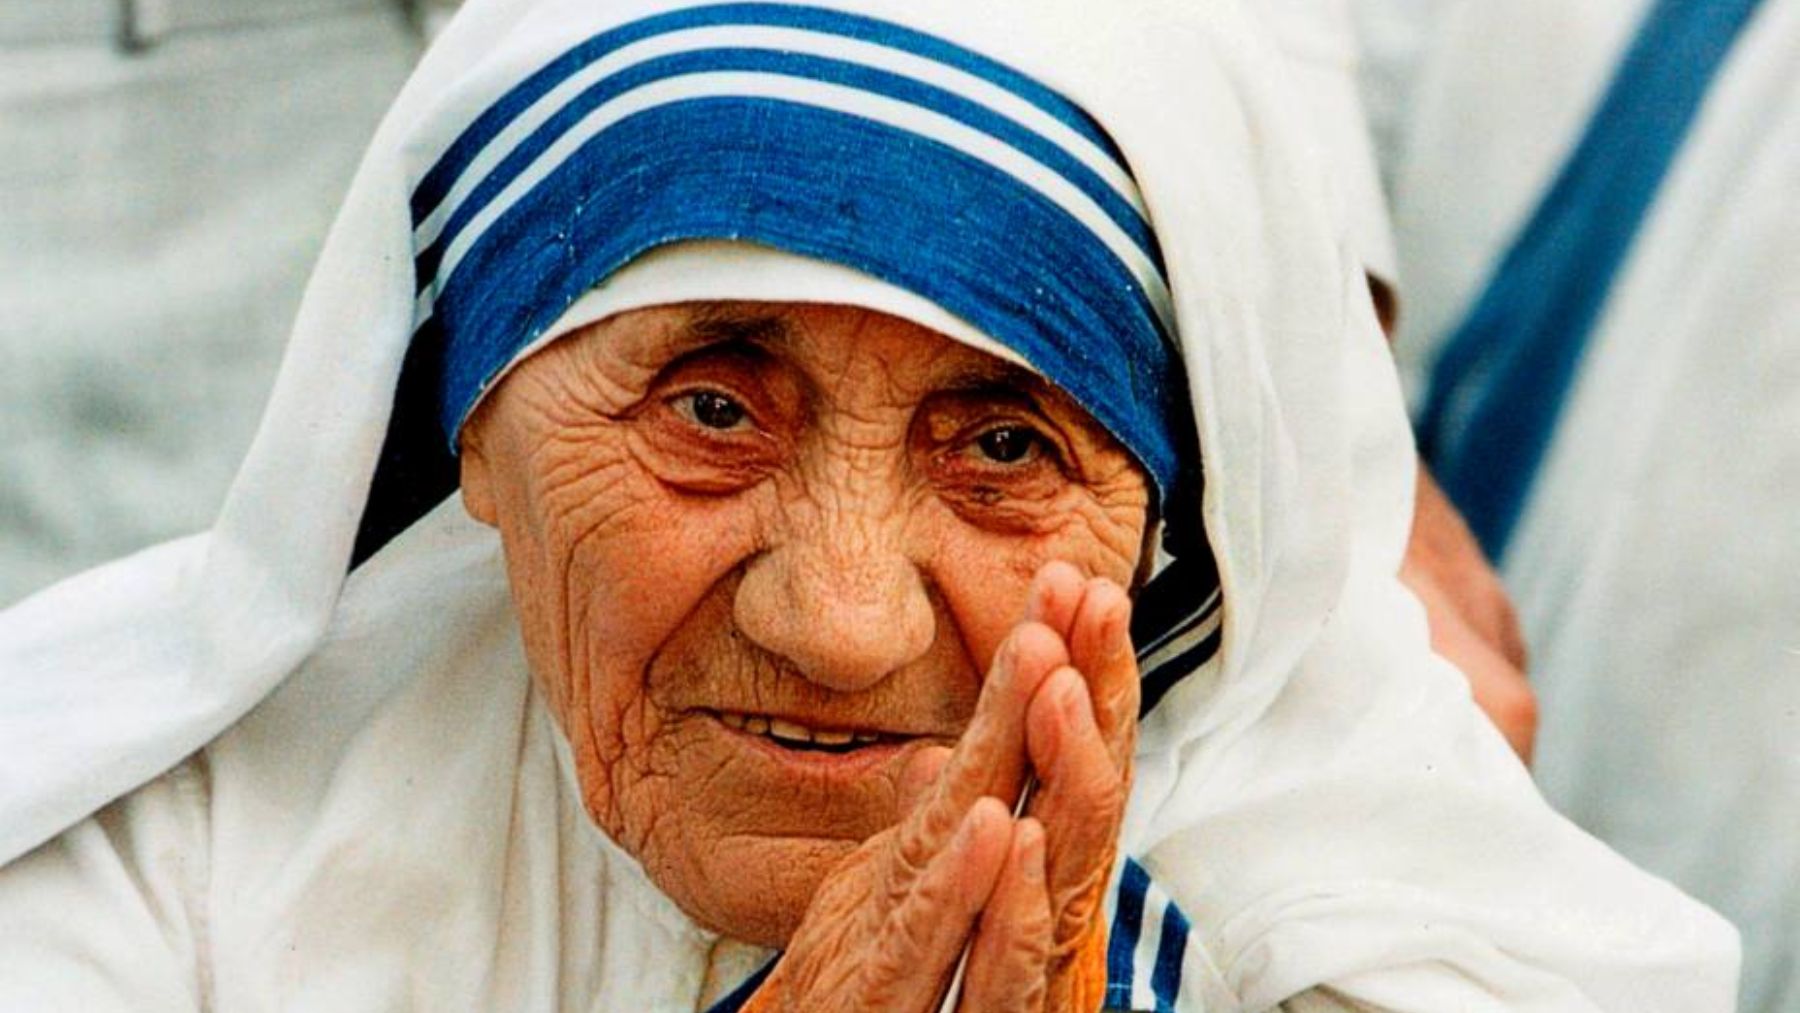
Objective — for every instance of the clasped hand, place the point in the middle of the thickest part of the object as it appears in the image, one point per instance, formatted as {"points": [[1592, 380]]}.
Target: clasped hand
{"points": [[1024, 894]]}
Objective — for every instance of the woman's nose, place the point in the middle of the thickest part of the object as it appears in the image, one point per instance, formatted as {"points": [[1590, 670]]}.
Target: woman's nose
{"points": [[845, 611]]}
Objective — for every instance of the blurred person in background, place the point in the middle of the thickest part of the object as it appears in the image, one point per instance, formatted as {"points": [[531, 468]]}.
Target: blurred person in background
{"points": [[1596, 209], [170, 168]]}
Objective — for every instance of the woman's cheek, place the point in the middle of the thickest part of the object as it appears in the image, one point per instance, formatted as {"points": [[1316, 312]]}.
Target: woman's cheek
{"points": [[985, 574], [639, 563]]}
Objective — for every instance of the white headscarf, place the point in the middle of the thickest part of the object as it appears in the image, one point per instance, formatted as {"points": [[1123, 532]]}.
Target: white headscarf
{"points": [[1322, 806]]}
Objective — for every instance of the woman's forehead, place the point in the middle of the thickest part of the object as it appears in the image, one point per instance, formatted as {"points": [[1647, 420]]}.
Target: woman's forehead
{"points": [[815, 336]]}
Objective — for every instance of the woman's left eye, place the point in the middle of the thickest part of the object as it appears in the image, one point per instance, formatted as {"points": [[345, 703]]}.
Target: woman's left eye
{"points": [[1009, 444], [712, 409]]}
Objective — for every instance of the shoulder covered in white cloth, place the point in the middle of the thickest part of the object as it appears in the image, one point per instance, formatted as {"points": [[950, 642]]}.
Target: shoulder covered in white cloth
{"points": [[366, 809]]}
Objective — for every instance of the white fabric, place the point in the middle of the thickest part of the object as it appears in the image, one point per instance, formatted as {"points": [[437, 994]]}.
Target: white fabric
{"points": [[1655, 564], [373, 818], [1319, 39]]}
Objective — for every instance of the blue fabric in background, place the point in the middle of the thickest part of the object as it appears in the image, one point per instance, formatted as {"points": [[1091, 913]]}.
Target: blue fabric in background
{"points": [[1498, 388]]}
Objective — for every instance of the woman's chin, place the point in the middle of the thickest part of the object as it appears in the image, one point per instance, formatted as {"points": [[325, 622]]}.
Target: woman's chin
{"points": [[756, 890], [742, 827]]}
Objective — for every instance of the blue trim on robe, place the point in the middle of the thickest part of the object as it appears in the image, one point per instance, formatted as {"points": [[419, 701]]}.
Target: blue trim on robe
{"points": [[1135, 896], [1171, 950], [1132, 893], [1498, 388], [1122, 938]]}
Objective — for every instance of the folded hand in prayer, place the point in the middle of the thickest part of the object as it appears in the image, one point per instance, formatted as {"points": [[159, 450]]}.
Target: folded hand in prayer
{"points": [[1023, 894]]}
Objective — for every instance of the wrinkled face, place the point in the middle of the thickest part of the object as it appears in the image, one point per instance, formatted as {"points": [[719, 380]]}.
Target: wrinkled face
{"points": [[761, 552]]}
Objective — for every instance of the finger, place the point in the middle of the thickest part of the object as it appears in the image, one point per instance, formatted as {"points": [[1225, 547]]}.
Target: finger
{"points": [[924, 935], [1054, 596], [861, 948], [1100, 649], [1080, 801], [1009, 959], [989, 759], [919, 777]]}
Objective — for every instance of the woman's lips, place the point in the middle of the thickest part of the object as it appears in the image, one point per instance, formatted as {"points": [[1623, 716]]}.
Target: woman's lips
{"points": [[796, 735], [845, 750]]}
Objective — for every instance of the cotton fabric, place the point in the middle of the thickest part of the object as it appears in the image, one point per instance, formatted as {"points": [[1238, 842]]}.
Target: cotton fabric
{"points": [[365, 809]]}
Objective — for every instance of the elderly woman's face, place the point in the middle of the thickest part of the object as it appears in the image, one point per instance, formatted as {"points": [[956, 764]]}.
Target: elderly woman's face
{"points": [[761, 553]]}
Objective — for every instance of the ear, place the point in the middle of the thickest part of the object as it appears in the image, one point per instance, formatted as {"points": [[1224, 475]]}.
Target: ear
{"points": [[477, 477]]}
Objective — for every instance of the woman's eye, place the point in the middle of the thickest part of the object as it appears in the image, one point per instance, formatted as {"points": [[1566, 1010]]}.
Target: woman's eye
{"points": [[713, 409], [1008, 444]]}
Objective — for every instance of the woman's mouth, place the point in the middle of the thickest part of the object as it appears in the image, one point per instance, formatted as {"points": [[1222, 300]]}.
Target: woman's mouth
{"points": [[793, 735]]}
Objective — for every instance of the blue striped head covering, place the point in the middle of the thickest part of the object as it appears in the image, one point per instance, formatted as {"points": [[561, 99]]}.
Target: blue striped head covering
{"points": [[829, 135]]}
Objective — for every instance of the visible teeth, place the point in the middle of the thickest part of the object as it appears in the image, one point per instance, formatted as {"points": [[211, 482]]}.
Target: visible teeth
{"points": [[788, 730], [791, 731]]}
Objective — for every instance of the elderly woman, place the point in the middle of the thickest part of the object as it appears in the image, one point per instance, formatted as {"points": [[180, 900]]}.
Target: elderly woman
{"points": [[730, 534]]}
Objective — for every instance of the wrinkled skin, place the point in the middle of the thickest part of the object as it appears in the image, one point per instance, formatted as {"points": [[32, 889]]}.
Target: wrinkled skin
{"points": [[715, 515]]}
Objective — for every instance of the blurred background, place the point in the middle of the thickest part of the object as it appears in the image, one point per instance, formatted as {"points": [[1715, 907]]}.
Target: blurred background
{"points": [[1589, 215], [168, 170]]}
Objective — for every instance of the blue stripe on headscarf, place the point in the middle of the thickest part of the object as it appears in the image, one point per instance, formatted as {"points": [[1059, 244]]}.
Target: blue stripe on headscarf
{"points": [[799, 65], [1498, 387], [825, 184], [437, 182]]}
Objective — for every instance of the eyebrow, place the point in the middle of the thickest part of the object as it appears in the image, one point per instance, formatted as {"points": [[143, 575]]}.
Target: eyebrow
{"points": [[710, 324], [714, 323], [997, 377]]}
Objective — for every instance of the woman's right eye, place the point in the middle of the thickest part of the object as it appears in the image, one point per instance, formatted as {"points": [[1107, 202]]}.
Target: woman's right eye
{"points": [[711, 409], [1009, 444]]}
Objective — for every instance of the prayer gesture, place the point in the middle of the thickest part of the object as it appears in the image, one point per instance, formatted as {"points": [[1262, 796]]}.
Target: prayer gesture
{"points": [[887, 928]]}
